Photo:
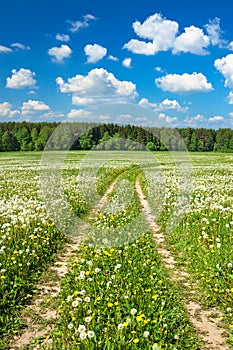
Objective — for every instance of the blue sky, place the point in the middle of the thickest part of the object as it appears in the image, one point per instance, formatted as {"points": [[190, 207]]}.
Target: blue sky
{"points": [[152, 63]]}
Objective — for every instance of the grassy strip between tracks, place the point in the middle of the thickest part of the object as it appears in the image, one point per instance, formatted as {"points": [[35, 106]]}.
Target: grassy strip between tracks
{"points": [[120, 298]]}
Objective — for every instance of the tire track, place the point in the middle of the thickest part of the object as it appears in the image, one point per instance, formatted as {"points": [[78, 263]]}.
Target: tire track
{"points": [[59, 268], [209, 332]]}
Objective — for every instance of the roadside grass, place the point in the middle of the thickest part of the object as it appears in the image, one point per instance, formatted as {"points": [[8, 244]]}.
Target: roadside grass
{"points": [[29, 240], [203, 240]]}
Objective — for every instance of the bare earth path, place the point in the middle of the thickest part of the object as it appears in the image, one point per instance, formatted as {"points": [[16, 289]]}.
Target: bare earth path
{"points": [[39, 316], [210, 334]]}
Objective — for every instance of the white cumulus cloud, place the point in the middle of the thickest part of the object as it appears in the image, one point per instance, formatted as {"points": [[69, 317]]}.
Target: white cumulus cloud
{"points": [[95, 52], [193, 40], [144, 102], [5, 49], [160, 31], [81, 114], [77, 25], [158, 69], [141, 47], [7, 112], [199, 117], [230, 98], [127, 62], [197, 121], [167, 118], [157, 28], [230, 46], [215, 33], [19, 46], [124, 117], [216, 118], [113, 58], [98, 85], [34, 106], [161, 34], [21, 79], [185, 83], [166, 104], [63, 37], [172, 104], [225, 66], [59, 53]]}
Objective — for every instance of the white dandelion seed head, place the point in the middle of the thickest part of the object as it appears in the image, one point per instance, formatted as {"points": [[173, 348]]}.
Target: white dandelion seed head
{"points": [[133, 311], [81, 328]]}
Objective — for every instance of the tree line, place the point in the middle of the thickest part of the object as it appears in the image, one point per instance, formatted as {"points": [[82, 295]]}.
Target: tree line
{"points": [[27, 136]]}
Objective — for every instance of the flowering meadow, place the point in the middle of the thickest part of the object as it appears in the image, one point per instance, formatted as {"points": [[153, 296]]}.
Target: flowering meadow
{"points": [[203, 241], [117, 293], [29, 240]]}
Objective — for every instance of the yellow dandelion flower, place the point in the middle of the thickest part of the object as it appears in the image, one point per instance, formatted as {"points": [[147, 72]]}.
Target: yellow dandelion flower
{"points": [[139, 318], [136, 340], [107, 253], [145, 322]]}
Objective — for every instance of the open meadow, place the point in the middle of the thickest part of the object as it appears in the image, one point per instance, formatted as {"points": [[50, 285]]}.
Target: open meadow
{"points": [[119, 292]]}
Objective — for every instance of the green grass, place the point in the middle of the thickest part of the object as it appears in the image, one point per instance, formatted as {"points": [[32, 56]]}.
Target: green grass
{"points": [[121, 297], [202, 242]]}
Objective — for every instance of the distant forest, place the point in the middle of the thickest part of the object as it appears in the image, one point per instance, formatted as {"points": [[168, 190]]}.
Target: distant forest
{"points": [[27, 136]]}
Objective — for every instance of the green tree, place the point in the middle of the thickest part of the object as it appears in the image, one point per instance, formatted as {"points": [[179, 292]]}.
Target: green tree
{"points": [[42, 138], [9, 142], [23, 137], [85, 140], [105, 137], [224, 140], [151, 146], [193, 146], [62, 138], [1, 133]]}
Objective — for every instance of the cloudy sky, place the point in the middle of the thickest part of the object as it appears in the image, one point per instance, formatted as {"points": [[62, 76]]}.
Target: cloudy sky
{"points": [[161, 62]]}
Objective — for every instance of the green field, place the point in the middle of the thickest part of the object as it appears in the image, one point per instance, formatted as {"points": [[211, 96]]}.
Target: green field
{"points": [[117, 293]]}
